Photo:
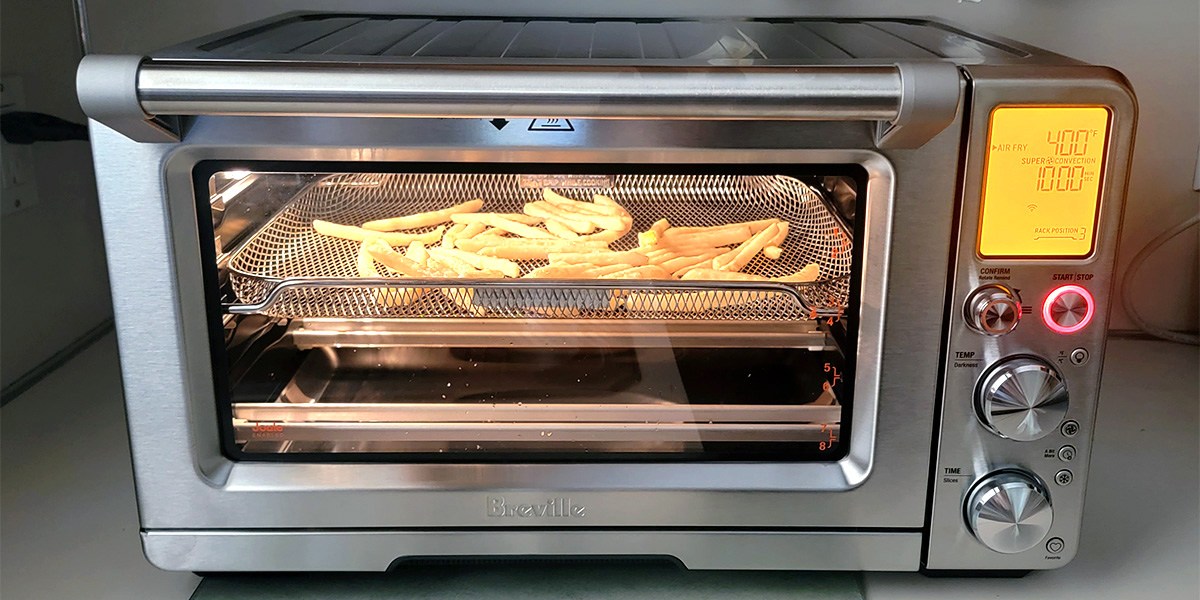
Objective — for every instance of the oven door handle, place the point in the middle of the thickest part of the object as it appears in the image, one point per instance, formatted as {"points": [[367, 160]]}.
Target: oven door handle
{"points": [[910, 102]]}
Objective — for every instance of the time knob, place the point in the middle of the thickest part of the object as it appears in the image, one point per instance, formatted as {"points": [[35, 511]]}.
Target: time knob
{"points": [[1022, 398], [992, 310], [1009, 511]]}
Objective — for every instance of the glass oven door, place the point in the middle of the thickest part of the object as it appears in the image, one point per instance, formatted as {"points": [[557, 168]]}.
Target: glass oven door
{"points": [[502, 313]]}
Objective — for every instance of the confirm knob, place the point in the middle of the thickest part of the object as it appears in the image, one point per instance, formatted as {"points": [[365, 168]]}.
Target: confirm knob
{"points": [[1009, 511], [992, 310], [1022, 399]]}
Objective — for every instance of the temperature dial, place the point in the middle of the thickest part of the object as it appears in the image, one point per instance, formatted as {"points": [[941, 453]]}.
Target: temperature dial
{"points": [[1022, 399], [993, 310], [1009, 512]]}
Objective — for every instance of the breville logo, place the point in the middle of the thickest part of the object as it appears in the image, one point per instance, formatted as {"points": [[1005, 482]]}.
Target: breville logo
{"points": [[552, 507]]}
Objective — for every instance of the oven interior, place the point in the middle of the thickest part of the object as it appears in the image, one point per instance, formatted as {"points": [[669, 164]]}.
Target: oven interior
{"points": [[591, 342]]}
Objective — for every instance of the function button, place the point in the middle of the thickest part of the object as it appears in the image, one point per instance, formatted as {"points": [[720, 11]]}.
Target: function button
{"points": [[1070, 428], [1079, 357], [1066, 453], [1064, 477], [1068, 309], [1055, 545]]}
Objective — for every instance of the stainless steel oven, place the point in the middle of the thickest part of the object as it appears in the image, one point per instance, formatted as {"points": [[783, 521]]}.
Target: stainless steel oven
{"points": [[753, 294]]}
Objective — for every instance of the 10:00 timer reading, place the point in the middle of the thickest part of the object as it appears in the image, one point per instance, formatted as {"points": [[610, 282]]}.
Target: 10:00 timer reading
{"points": [[1065, 178]]}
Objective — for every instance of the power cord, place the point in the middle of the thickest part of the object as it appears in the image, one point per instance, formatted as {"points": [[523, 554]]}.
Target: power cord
{"points": [[1134, 266]]}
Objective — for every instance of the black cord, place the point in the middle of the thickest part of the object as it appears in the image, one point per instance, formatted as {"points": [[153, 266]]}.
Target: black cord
{"points": [[1127, 289]]}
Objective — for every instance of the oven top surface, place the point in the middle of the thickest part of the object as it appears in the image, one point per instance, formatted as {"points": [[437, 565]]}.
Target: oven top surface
{"points": [[641, 42]]}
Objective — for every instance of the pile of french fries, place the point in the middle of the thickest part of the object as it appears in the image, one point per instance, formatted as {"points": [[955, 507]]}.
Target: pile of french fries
{"points": [[572, 237]]}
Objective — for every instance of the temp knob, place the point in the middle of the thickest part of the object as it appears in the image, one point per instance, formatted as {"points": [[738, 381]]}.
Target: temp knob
{"points": [[1022, 399], [1009, 512], [992, 310]]}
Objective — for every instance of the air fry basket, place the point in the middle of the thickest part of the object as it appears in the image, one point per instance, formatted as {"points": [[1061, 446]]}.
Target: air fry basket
{"points": [[288, 270]]}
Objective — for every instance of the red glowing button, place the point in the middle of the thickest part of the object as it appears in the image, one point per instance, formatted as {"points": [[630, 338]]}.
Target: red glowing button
{"points": [[1068, 309]]}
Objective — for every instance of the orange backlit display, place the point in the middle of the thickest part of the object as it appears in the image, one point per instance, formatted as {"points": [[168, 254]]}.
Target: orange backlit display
{"points": [[1041, 187]]}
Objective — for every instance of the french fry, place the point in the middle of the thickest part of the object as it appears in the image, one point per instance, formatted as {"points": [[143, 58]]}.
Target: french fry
{"points": [[460, 267], [472, 230], [658, 255], [600, 258], [424, 219], [417, 253], [650, 237], [487, 217], [452, 233], [385, 296], [563, 271], [524, 248], [773, 252], [705, 274], [381, 251], [505, 267], [647, 239], [612, 222], [679, 263], [403, 265], [810, 272], [559, 229], [606, 237], [781, 236], [604, 216], [573, 271], [364, 263], [358, 234], [755, 227], [642, 272], [738, 258], [577, 223], [606, 202], [579, 206], [505, 223], [711, 239]]}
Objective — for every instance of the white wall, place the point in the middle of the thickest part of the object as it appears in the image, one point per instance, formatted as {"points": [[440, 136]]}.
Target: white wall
{"points": [[1154, 42], [55, 286]]}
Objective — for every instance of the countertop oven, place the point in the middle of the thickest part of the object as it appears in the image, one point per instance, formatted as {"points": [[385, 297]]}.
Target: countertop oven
{"points": [[745, 294]]}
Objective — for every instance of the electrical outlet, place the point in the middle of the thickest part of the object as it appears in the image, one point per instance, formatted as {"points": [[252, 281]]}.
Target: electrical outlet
{"points": [[18, 189]]}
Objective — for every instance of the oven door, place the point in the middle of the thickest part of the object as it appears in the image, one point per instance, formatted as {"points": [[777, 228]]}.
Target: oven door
{"points": [[279, 395], [697, 315]]}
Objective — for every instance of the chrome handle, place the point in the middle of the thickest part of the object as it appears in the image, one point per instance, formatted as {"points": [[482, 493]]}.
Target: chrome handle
{"points": [[912, 102], [336, 89]]}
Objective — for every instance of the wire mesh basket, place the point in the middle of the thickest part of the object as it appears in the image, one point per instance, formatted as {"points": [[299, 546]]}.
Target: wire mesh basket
{"points": [[288, 270]]}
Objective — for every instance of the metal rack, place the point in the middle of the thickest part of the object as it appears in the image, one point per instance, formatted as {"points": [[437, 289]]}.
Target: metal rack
{"points": [[288, 270]]}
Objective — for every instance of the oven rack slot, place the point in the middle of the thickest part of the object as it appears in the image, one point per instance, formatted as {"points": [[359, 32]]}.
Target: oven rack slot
{"points": [[316, 333], [549, 423]]}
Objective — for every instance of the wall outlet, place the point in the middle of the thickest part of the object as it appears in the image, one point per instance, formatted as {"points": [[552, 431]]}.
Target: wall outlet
{"points": [[18, 189]]}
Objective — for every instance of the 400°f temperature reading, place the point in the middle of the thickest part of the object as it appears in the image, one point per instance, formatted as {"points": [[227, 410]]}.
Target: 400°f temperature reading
{"points": [[1042, 176]]}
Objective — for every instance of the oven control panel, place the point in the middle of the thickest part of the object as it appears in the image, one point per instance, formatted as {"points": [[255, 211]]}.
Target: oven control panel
{"points": [[1021, 381], [1025, 328]]}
